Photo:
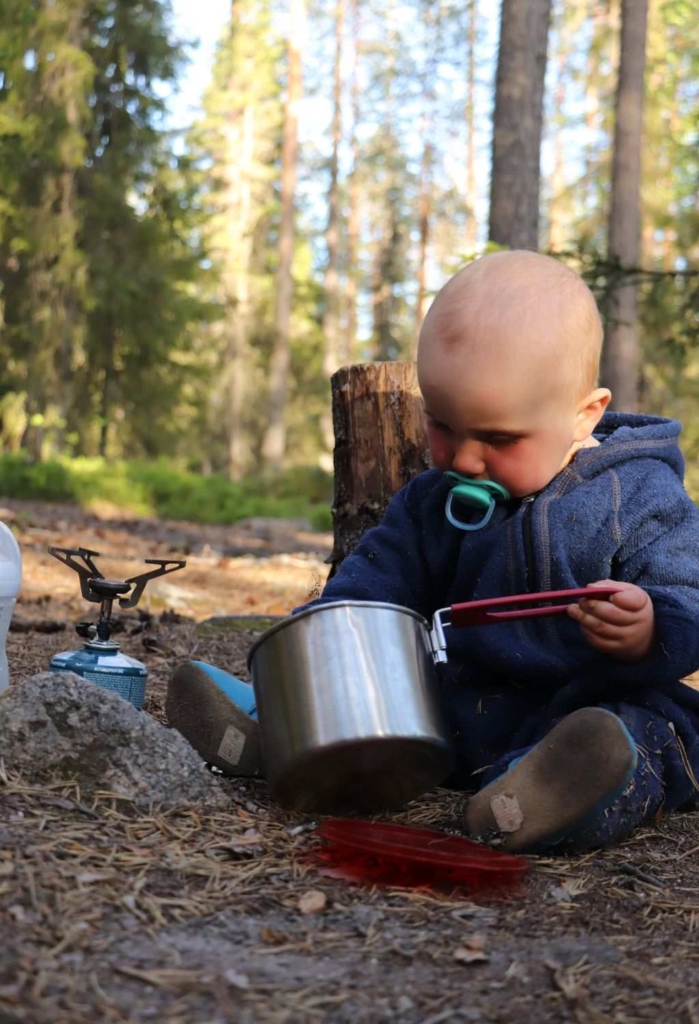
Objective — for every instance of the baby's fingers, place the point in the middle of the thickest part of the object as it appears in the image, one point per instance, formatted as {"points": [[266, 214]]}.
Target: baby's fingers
{"points": [[592, 614], [597, 629], [627, 596], [605, 611]]}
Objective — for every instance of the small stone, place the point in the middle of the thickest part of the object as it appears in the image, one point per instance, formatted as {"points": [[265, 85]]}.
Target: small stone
{"points": [[236, 980], [472, 950], [313, 902], [60, 723]]}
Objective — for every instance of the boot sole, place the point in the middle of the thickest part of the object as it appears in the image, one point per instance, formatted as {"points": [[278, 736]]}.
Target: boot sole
{"points": [[221, 733], [582, 764]]}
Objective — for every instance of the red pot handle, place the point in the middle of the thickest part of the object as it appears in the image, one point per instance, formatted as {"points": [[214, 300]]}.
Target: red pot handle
{"points": [[518, 606]]}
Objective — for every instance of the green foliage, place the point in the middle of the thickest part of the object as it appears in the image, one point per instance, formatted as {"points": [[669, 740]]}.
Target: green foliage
{"points": [[102, 272], [137, 276], [159, 489]]}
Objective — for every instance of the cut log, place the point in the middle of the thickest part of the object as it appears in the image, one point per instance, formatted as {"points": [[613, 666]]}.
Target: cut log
{"points": [[380, 445]]}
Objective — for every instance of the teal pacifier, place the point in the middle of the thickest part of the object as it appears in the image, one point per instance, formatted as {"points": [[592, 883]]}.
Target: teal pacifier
{"points": [[485, 494]]}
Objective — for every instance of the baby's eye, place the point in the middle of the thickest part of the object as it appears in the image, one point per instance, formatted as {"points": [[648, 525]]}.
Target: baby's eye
{"points": [[436, 425], [505, 441]]}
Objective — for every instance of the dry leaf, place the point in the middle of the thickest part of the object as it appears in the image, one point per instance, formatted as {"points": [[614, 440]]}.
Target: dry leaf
{"points": [[472, 950], [271, 937], [250, 838], [312, 902], [470, 956], [236, 980]]}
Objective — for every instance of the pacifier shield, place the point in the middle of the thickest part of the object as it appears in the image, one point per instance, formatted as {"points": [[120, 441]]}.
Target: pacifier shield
{"points": [[484, 494]]}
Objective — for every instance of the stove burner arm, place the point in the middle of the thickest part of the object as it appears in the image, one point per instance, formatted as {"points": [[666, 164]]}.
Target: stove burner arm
{"points": [[86, 572], [166, 566]]}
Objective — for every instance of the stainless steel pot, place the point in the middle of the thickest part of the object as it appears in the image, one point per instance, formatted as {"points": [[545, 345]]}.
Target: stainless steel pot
{"points": [[348, 697], [348, 705]]}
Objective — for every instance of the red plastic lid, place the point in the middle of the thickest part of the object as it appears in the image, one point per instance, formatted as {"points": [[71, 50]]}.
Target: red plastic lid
{"points": [[401, 853]]}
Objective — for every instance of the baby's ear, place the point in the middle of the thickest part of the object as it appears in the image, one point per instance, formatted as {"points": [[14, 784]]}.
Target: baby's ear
{"points": [[590, 411]]}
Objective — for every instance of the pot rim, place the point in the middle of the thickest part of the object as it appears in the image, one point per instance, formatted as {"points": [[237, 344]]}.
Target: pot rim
{"points": [[351, 603]]}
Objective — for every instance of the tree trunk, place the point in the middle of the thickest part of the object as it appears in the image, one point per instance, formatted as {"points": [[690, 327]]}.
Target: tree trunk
{"points": [[387, 271], [432, 44], [602, 49], [385, 276], [331, 315], [380, 445], [239, 171], [424, 211], [621, 356], [108, 379], [69, 315], [274, 442], [471, 194], [557, 225], [517, 123], [353, 204]]}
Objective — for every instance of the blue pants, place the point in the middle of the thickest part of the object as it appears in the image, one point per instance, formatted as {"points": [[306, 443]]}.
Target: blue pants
{"points": [[494, 724]]}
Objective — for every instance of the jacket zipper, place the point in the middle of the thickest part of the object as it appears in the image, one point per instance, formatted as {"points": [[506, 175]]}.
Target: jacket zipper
{"points": [[528, 503]]}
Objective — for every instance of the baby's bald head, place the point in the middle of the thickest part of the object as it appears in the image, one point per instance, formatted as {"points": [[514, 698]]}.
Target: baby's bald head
{"points": [[521, 314]]}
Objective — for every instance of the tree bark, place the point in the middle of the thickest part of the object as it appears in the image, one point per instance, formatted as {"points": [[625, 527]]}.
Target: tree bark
{"points": [[557, 225], [384, 278], [380, 445], [331, 325], [274, 441], [239, 170], [424, 212], [600, 27], [621, 356], [351, 289], [517, 123], [331, 315], [431, 22], [471, 194]]}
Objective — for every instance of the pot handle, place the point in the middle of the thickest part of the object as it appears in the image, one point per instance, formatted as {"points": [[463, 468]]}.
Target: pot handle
{"points": [[504, 609]]}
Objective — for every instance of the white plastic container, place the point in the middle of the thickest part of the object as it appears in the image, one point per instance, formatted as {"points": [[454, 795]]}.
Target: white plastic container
{"points": [[10, 583]]}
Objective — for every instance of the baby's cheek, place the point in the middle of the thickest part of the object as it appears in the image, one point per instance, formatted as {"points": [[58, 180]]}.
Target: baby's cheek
{"points": [[441, 451], [514, 471]]}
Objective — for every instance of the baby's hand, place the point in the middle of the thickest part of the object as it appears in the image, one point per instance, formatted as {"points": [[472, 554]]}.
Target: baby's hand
{"points": [[623, 626]]}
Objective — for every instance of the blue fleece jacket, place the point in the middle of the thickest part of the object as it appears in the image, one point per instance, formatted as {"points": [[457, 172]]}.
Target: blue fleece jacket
{"points": [[618, 511]]}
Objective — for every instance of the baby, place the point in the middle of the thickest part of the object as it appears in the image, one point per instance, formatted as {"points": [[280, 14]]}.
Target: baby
{"points": [[575, 729]]}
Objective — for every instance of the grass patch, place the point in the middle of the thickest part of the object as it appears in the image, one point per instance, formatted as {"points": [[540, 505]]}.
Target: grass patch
{"points": [[158, 489], [224, 624]]}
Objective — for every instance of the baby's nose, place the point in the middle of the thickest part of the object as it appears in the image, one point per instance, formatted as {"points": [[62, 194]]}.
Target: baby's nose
{"points": [[468, 459]]}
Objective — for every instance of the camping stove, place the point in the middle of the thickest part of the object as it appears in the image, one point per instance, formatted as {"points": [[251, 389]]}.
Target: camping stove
{"points": [[100, 660]]}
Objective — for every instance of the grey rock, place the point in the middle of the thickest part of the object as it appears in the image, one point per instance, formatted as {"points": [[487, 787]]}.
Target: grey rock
{"points": [[59, 722]]}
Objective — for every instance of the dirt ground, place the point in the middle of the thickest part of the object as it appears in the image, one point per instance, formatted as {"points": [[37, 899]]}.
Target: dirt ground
{"points": [[109, 914]]}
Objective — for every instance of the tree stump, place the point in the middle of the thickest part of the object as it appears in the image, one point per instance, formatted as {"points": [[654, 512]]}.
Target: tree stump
{"points": [[380, 445]]}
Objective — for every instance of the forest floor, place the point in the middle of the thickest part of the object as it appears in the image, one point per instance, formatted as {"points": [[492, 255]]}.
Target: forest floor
{"points": [[109, 914]]}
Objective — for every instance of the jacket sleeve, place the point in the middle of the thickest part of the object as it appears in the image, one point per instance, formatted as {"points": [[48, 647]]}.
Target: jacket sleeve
{"points": [[389, 562], [661, 555]]}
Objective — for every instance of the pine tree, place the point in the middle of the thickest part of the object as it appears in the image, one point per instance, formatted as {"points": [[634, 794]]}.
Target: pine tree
{"points": [[517, 123], [274, 443], [99, 247], [470, 117], [621, 356], [46, 84], [237, 143], [331, 285], [353, 186]]}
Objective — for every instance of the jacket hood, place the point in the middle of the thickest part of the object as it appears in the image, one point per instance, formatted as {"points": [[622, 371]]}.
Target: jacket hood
{"points": [[628, 436]]}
